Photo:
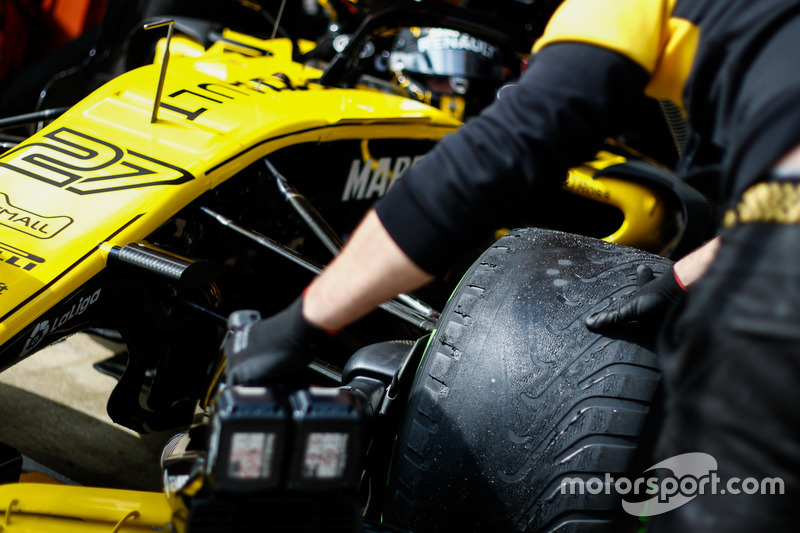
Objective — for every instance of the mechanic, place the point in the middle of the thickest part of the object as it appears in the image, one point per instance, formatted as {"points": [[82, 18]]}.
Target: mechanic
{"points": [[731, 362]]}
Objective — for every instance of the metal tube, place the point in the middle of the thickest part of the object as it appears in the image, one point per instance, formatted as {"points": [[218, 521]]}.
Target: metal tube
{"points": [[320, 227], [32, 117], [164, 63], [307, 211], [280, 249], [425, 323]]}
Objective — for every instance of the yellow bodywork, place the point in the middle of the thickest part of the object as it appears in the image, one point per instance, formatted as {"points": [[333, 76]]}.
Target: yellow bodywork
{"points": [[103, 175], [33, 507]]}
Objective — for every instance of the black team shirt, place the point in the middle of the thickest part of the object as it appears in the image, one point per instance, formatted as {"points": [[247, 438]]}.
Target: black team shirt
{"points": [[732, 65]]}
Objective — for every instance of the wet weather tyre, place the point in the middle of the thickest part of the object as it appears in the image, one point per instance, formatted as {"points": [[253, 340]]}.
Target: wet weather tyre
{"points": [[514, 395]]}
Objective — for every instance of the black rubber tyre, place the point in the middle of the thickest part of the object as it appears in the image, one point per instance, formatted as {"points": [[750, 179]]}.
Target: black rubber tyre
{"points": [[514, 394]]}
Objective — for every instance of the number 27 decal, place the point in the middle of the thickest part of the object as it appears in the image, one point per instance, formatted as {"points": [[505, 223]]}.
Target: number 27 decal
{"points": [[83, 164]]}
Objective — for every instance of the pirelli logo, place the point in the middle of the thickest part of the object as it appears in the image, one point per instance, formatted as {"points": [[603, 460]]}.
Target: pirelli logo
{"points": [[28, 222], [17, 258]]}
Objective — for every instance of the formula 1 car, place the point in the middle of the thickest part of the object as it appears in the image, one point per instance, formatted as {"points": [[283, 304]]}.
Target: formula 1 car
{"points": [[224, 175]]}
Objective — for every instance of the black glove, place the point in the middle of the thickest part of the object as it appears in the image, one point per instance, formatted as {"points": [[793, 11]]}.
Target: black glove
{"points": [[646, 308], [270, 350]]}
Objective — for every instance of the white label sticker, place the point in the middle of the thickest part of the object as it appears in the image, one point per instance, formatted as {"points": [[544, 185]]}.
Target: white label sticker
{"points": [[326, 455], [251, 455]]}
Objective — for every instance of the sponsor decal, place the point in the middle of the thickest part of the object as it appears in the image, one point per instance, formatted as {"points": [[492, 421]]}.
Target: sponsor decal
{"points": [[28, 222], [39, 331], [83, 164], [44, 326], [447, 39], [374, 178], [586, 188], [13, 256], [191, 103]]}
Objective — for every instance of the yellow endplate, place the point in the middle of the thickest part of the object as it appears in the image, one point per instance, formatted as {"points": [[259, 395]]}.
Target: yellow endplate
{"points": [[103, 173], [644, 212], [32, 507]]}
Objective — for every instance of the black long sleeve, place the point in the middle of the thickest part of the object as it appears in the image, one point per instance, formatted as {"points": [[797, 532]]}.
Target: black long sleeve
{"points": [[571, 98]]}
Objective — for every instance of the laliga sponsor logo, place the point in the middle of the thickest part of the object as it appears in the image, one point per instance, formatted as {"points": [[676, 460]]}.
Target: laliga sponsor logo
{"points": [[28, 222], [43, 328]]}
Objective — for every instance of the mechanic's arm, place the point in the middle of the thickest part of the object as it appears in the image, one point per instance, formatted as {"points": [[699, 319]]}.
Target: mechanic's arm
{"points": [[373, 269], [572, 96], [647, 307], [370, 270], [651, 301], [477, 178], [692, 267]]}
